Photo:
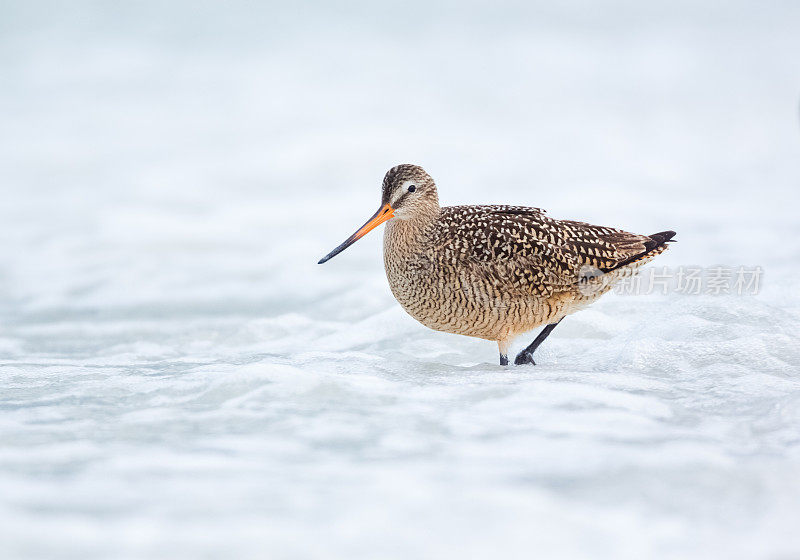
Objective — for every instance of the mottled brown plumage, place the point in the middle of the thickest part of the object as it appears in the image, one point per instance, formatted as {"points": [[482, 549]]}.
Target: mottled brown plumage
{"points": [[495, 272]]}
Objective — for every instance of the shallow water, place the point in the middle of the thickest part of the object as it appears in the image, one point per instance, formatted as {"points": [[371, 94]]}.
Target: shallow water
{"points": [[181, 380]]}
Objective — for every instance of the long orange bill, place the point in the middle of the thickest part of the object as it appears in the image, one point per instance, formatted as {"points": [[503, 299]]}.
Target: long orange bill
{"points": [[384, 213]]}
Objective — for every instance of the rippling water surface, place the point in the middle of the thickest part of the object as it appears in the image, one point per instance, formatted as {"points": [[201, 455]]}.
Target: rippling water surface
{"points": [[179, 379]]}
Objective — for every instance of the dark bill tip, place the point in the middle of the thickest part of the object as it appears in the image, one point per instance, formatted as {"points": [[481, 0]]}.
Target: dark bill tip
{"points": [[349, 241]]}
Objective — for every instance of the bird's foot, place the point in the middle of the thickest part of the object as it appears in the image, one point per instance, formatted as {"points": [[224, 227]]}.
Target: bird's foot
{"points": [[524, 358], [503, 360]]}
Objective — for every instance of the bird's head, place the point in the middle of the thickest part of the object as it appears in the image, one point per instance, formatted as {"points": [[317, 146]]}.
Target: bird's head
{"points": [[408, 192]]}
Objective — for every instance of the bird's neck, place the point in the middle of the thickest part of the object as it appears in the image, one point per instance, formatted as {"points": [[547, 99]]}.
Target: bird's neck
{"points": [[405, 236]]}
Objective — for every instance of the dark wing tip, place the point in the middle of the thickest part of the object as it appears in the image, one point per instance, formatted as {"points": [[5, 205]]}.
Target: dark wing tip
{"points": [[654, 241], [659, 239]]}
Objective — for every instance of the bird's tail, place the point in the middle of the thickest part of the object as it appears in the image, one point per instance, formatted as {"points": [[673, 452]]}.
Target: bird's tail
{"points": [[656, 245], [657, 240]]}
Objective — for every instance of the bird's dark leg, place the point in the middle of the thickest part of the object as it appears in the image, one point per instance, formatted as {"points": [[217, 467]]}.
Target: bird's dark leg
{"points": [[526, 356], [503, 360]]}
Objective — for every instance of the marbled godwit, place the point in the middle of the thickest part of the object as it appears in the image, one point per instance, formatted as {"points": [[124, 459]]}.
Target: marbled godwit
{"points": [[494, 272]]}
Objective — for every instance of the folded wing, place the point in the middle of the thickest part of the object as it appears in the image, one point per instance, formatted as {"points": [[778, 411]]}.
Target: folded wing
{"points": [[521, 249]]}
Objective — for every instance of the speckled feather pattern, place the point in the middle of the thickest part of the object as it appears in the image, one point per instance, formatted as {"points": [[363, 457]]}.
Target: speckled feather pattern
{"points": [[497, 271]]}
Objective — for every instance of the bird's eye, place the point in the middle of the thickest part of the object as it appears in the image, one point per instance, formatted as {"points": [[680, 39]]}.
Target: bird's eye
{"points": [[412, 188]]}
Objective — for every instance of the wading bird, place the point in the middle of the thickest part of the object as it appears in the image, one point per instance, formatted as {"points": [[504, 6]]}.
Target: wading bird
{"points": [[494, 272]]}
